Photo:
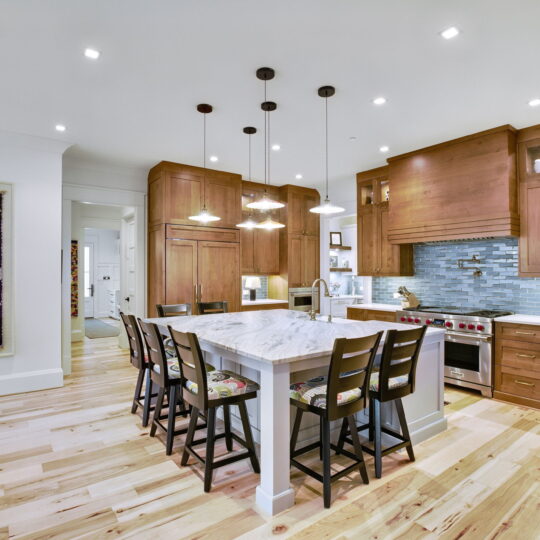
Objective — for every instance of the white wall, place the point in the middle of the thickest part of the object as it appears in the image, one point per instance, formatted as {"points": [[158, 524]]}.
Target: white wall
{"points": [[34, 166]]}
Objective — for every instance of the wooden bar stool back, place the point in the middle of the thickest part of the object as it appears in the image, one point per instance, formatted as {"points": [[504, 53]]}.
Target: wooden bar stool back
{"points": [[205, 392], [173, 310], [138, 359], [207, 308], [338, 396]]}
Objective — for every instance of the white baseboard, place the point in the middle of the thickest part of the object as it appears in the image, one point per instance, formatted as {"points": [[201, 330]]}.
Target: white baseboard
{"points": [[30, 381], [76, 335]]}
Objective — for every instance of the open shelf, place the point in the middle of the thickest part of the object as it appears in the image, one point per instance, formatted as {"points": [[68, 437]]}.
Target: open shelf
{"points": [[342, 248], [340, 269]]}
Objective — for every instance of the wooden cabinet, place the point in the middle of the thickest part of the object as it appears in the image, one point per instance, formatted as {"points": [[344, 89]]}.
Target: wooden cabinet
{"points": [[260, 307], [359, 314], [177, 191], [297, 216], [376, 255], [303, 260], [259, 247], [517, 364], [529, 191], [190, 264]]}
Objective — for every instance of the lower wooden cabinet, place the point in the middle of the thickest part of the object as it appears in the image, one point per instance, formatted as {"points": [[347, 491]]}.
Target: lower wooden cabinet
{"points": [[358, 314], [517, 364], [260, 307]]}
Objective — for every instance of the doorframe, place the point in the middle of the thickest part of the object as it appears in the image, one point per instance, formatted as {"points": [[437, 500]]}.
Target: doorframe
{"points": [[110, 197], [93, 272]]}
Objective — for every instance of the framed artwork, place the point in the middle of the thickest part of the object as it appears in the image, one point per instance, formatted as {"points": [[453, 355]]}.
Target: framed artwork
{"points": [[333, 261], [6, 263], [74, 278], [335, 239]]}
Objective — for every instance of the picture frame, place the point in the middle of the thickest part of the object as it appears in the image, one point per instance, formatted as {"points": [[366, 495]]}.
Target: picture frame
{"points": [[333, 261], [335, 239], [6, 263]]}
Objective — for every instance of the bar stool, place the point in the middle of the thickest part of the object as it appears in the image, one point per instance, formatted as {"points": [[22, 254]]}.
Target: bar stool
{"points": [[205, 392], [164, 372], [339, 395], [139, 360], [394, 379], [207, 308], [173, 310]]}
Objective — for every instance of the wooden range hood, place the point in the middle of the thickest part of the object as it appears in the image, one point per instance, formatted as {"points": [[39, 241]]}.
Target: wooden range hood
{"points": [[461, 189]]}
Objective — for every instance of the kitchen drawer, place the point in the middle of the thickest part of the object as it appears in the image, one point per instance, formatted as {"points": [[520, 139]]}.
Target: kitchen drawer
{"points": [[376, 315], [512, 381], [518, 332], [520, 355]]}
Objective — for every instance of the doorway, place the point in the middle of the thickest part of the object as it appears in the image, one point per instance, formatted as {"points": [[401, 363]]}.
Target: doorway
{"points": [[88, 276]]}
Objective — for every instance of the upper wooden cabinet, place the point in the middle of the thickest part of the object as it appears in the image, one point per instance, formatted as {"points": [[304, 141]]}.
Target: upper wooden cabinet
{"points": [[529, 190], [376, 255], [303, 260], [464, 188], [177, 191], [296, 214]]}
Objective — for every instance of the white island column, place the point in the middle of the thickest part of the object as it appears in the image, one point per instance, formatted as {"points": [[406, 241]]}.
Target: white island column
{"points": [[274, 493]]}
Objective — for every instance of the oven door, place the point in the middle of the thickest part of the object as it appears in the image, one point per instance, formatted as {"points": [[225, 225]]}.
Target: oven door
{"points": [[301, 301], [468, 358]]}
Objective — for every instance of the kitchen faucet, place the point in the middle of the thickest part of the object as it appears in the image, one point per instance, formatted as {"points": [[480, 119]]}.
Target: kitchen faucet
{"points": [[312, 312]]}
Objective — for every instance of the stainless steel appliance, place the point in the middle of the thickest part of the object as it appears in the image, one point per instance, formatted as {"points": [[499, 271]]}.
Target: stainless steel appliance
{"points": [[300, 299], [468, 355]]}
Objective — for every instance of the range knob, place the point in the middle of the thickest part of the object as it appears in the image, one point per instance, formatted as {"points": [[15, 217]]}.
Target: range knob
{"points": [[410, 319], [403, 319], [417, 320], [448, 324], [428, 321], [471, 327], [480, 327], [462, 325]]}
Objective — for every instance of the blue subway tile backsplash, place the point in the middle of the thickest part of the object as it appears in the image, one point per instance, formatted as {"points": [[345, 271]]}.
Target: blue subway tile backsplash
{"points": [[439, 281]]}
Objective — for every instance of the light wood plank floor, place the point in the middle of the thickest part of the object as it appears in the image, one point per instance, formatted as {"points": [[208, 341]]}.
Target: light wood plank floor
{"points": [[74, 463]]}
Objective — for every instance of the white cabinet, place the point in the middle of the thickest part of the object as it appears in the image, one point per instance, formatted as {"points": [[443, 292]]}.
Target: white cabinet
{"points": [[114, 303]]}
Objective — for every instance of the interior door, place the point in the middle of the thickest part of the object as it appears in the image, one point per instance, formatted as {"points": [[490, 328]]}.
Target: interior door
{"points": [[180, 272], [219, 273], [89, 283]]}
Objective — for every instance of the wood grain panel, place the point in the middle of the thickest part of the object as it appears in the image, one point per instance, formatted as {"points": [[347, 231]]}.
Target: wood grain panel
{"points": [[295, 268], [529, 241], [210, 234], [224, 198], [264, 307], [156, 268], [180, 271], [247, 251]]}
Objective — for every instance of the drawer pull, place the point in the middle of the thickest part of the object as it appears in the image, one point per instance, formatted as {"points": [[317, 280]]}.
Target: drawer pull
{"points": [[524, 383], [526, 355], [524, 333]]}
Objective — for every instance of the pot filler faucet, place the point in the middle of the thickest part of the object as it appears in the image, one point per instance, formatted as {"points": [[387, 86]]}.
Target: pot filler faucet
{"points": [[312, 312]]}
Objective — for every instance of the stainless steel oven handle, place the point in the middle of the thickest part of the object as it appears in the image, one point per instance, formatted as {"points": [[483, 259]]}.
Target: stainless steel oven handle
{"points": [[457, 336]]}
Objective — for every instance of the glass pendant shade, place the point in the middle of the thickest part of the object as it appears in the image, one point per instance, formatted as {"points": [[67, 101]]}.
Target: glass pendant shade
{"points": [[248, 223], [327, 208], [204, 216], [265, 203], [269, 224]]}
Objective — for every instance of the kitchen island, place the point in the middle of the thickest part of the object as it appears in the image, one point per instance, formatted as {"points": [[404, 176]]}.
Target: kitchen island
{"points": [[281, 346]]}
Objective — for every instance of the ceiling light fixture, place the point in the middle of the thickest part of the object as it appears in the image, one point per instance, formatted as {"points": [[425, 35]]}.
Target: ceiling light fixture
{"points": [[326, 207], [534, 102], [249, 222], [93, 54], [384, 149], [450, 33], [379, 100], [266, 202], [276, 147], [204, 216], [60, 127], [214, 158]]}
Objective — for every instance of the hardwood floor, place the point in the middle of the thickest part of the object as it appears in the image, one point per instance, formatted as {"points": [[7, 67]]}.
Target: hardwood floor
{"points": [[74, 463]]}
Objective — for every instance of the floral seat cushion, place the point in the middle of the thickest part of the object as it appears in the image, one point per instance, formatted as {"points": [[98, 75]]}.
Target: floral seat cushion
{"points": [[313, 392], [223, 383], [395, 382], [174, 368]]}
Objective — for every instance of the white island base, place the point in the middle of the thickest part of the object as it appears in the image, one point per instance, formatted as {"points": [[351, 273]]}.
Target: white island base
{"points": [[278, 347]]}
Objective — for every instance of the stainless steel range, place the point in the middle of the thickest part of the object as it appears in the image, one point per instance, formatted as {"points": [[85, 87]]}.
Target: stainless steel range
{"points": [[468, 357]]}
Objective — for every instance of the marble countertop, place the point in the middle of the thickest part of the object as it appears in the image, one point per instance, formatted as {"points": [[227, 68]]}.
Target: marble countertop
{"points": [[378, 307], [520, 319], [278, 336], [262, 302]]}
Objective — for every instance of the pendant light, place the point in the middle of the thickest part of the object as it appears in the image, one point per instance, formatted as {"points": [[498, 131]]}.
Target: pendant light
{"points": [[248, 223], [204, 216], [266, 202], [326, 207]]}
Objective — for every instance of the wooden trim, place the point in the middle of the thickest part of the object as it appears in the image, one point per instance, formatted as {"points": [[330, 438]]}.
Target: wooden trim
{"points": [[170, 166], [529, 133], [518, 400], [372, 174], [211, 234]]}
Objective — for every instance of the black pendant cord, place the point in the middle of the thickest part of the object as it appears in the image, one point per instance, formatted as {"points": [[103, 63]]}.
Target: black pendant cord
{"points": [[204, 159], [249, 159], [269, 139], [265, 140], [326, 142]]}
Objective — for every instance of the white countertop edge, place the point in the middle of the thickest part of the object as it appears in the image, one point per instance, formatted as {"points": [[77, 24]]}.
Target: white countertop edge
{"points": [[377, 307], [263, 302], [520, 319]]}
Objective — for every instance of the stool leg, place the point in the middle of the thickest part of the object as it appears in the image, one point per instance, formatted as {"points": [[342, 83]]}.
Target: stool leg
{"points": [[320, 438], [170, 420], [209, 459], [138, 389], [147, 397], [404, 427], [190, 435], [357, 447], [371, 420], [296, 429], [249, 437], [342, 435], [327, 486], [157, 411], [227, 420], [377, 430]]}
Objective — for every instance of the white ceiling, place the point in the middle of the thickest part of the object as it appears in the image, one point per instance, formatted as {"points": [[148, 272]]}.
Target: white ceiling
{"points": [[136, 105]]}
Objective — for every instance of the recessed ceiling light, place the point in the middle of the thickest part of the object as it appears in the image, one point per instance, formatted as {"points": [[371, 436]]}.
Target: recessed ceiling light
{"points": [[276, 147], [384, 149], [92, 54], [450, 33], [213, 158], [352, 138], [299, 177], [60, 127], [379, 100], [534, 102]]}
